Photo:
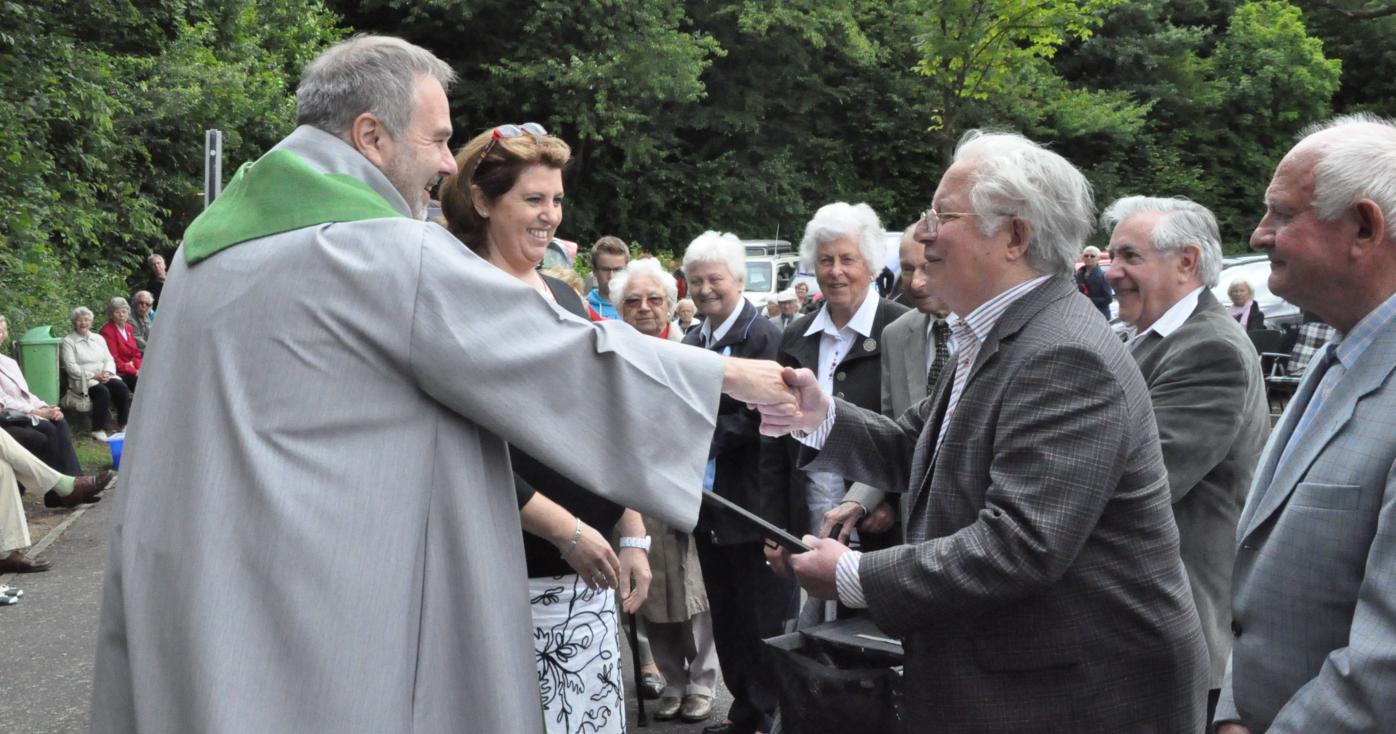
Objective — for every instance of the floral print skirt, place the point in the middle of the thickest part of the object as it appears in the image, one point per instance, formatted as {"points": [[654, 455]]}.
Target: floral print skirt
{"points": [[576, 640]]}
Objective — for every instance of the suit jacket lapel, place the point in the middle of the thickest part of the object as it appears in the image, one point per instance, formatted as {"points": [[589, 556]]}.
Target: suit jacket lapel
{"points": [[1009, 324], [914, 358], [1274, 483]]}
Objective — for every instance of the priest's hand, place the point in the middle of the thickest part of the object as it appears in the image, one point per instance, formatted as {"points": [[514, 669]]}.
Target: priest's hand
{"points": [[777, 558], [1232, 727], [815, 569], [758, 383], [635, 578], [811, 405]]}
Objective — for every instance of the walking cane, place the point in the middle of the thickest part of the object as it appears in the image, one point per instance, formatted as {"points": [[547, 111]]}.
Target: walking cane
{"points": [[640, 720]]}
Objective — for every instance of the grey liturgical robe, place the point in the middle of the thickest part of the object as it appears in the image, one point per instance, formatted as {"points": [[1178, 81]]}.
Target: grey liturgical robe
{"points": [[316, 527]]}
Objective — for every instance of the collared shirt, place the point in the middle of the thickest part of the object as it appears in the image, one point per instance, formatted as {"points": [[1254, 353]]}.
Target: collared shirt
{"points": [[1170, 321], [826, 489], [835, 342], [14, 390], [1345, 350], [969, 335], [711, 337], [601, 306]]}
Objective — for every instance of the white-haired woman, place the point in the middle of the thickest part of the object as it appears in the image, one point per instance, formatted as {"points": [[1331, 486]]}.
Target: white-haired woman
{"points": [[1090, 278], [121, 341], [684, 312], [1243, 306], [93, 384], [676, 615], [748, 601], [841, 343]]}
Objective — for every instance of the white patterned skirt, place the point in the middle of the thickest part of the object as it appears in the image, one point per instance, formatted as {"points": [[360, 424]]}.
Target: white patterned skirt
{"points": [[576, 641]]}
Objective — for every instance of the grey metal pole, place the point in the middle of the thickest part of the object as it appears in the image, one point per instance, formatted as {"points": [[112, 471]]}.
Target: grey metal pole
{"points": [[213, 165]]}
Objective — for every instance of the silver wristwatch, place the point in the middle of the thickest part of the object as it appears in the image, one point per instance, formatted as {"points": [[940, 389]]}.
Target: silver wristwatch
{"points": [[641, 543]]}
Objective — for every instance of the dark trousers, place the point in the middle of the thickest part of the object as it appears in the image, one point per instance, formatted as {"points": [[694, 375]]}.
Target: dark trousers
{"points": [[107, 395], [52, 442], [130, 381], [748, 603]]}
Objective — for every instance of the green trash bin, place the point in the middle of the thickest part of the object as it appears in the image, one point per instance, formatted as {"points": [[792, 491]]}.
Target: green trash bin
{"points": [[38, 359]]}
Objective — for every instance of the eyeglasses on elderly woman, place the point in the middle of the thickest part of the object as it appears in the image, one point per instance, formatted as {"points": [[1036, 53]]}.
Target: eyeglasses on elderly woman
{"points": [[654, 300]]}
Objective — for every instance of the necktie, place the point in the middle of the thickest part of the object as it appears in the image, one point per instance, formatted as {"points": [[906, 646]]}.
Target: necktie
{"points": [[940, 332], [1328, 371]]}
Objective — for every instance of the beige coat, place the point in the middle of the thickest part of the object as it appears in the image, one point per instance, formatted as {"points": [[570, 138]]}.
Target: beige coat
{"points": [[676, 591]]}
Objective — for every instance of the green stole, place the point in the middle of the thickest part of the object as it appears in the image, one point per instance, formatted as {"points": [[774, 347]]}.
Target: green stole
{"points": [[278, 193]]}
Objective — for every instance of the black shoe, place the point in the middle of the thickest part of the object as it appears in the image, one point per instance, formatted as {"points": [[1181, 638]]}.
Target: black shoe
{"points": [[651, 685], [728, 727]]}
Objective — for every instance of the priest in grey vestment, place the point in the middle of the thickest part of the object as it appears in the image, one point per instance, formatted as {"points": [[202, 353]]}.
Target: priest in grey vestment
{"points": [[316, 529]]}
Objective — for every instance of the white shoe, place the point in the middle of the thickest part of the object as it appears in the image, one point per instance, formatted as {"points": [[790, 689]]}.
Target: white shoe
{"points": [[6, 601], [99, 435], [11, 591]]}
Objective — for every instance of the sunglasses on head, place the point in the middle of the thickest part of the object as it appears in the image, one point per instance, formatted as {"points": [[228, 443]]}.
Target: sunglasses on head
{"points": [[513, 131]]}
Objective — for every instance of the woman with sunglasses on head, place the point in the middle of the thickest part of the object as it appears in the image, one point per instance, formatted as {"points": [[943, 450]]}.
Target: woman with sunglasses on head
{"points": [[505, 204]]}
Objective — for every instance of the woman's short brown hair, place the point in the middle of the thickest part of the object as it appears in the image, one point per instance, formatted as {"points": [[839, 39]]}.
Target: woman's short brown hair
{"points": [[495, 175]]}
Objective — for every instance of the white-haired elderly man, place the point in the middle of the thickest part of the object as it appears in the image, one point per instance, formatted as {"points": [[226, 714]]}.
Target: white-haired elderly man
{"points": [[748, 601], [841, 343], [1204, 382], [1314, 588], [313, 564], [1040, 587], [142, 316], [789, 308]]}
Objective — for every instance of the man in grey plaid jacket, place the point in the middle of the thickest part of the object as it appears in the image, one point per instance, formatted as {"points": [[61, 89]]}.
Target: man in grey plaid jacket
{"points": [[1040, 588]]}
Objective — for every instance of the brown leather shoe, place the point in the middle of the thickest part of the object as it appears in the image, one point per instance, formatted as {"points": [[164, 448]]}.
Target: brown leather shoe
{"points": [[19, 563], [85, 489]]}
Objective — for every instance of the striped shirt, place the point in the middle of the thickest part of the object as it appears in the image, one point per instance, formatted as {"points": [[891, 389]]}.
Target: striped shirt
{"points": [[968, 335]]}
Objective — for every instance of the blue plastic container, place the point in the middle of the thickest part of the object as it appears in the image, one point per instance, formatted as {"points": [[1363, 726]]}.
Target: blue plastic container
{"points": [[115, 442]]}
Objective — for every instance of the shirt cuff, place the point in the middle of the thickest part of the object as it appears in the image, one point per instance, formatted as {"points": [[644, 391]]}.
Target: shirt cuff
{"points": [[815, 439], [850, 587]]}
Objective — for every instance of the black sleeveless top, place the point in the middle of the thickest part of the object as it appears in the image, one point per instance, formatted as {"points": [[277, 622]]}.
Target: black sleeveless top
{"points": [[531, 475]]}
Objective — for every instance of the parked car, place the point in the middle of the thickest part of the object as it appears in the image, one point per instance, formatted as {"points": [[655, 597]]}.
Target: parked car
{"points": [[771, 267]]}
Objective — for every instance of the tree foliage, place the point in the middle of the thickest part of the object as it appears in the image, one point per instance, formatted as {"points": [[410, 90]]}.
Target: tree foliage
{"points": [[684, 115], [103, 107]]}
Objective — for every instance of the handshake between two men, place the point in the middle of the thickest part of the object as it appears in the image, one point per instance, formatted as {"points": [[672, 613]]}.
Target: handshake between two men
{"points": [[790, 401]]}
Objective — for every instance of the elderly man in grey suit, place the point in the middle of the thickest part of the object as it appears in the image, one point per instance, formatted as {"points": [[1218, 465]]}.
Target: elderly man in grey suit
{"points": [[285, 560], [1040, 588], [1314, 593], [916, 348], [1205, 385]]}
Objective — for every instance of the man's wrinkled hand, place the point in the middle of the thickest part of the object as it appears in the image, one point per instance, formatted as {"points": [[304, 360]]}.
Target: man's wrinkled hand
{"points": [[879, 520], [778, 558], [844, 516], [815, 569]]}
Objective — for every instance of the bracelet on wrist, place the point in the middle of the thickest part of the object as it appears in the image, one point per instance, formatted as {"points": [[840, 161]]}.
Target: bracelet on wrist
{"points": [[576, 536]]}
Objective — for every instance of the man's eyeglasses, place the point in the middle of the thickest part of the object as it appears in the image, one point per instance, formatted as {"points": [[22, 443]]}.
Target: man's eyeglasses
{"points": [[512, 131], [929, 224], [654, 300]]}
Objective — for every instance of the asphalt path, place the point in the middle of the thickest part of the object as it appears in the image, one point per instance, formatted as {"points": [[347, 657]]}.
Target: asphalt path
{"points": [[48, 640]]}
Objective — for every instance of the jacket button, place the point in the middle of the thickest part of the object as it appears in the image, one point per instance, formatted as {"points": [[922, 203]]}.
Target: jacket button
{"points": [[838, 395], [1247, 546], [841, 376], [1235, 628]]}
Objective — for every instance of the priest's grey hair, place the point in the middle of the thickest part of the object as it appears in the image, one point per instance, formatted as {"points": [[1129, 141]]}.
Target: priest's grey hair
{"points": [[374, 74]]}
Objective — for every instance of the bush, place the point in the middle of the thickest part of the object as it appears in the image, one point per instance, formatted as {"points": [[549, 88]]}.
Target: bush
{"points": [[39, 290]]}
